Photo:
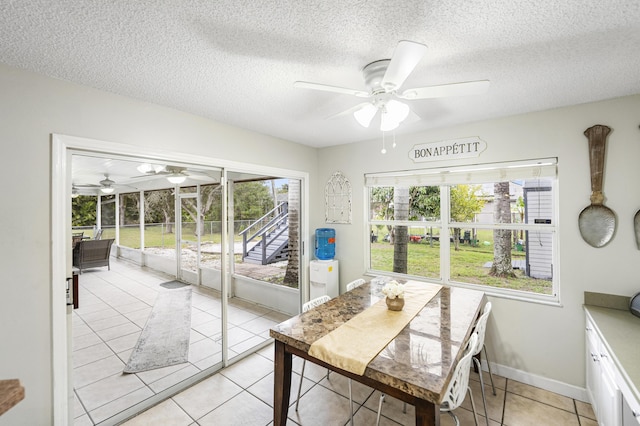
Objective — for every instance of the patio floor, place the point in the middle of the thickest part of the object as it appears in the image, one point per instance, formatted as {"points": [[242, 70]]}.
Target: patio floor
{"points": [[114, 307]]}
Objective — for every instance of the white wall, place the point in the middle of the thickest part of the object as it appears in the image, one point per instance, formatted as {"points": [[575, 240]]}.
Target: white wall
{"points": [[33, 107], [541, 340], [544, 341]]}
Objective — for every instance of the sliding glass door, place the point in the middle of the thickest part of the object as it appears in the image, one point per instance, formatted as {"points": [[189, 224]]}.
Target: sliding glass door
{"points": [[209, 264]]}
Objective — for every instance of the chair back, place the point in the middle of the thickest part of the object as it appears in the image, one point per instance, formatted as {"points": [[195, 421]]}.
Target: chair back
{"points": [[355, 283], [315, 302], [481, 327], [455, 394], [75, 239]]}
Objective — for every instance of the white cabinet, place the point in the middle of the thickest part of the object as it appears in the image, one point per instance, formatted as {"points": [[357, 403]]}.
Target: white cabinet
{"points": [[630, 413], [602, 387]]}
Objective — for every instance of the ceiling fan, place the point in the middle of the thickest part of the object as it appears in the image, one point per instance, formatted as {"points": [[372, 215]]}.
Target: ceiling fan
{"points": [[385, 77], [106, 185], [174, 174]]}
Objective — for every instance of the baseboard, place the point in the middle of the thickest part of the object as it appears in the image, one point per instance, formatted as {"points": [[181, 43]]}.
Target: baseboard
{"points": [[565, 389]]}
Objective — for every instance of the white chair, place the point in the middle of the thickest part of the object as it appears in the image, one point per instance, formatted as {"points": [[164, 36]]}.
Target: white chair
{"points": [[305, 307], [355, 283], [479, 330], [458, 386]]}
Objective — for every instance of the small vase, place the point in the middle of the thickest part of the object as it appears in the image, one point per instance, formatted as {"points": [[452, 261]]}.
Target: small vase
{"points": [[395, 304]]}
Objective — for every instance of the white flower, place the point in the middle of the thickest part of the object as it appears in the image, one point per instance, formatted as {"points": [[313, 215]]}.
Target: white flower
{"points": [[393, 289]]}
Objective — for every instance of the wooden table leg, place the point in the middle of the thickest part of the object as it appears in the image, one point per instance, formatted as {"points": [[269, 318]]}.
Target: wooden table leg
{"points": [[281, 384], [427, 414]]}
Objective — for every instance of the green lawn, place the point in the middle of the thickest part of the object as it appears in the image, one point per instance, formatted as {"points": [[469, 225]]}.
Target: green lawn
{"points": [[467, 265], [156, 236]]}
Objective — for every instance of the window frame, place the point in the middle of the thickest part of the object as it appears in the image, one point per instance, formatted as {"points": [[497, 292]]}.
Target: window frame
{"points": [[430, 177]]}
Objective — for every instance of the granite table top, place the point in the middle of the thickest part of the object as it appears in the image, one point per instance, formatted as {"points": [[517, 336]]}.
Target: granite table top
{"points": [[420, 360]]}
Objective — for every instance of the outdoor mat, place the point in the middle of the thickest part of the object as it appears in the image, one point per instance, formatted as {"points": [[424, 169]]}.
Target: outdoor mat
{"points": [[173, 284], [164, 340]]}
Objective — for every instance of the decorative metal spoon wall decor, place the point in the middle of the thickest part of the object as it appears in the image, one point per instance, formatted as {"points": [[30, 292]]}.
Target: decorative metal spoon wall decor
{"points": [[597, 222]]}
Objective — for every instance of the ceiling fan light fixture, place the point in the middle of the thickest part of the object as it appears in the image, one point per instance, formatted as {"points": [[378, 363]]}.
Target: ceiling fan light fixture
{"points": [[397, 111], [177, 178], [393, 113], [107, 189], [145, 168], [387, 124], [365, 114]]}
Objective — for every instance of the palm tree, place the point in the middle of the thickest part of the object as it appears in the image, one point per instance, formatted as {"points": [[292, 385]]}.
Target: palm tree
{"points": [[401, 234], [501, 266], [291, 276]]}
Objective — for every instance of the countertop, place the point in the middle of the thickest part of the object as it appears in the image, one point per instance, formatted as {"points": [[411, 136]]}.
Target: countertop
{"points": [[620, 331]]}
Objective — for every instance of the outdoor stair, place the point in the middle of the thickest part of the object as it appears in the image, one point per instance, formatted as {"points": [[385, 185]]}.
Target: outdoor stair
{"points": [[277, 247], [271, 236]]}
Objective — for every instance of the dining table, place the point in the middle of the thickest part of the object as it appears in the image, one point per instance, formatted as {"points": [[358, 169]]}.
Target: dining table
{"points": [[414, 366]]}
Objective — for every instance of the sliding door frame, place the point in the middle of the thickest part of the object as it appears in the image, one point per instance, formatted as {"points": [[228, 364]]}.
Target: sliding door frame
{"points": [[63, 146]]}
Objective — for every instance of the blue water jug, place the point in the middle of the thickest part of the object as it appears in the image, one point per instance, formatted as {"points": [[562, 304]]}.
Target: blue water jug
{"points": [[325, 243]]}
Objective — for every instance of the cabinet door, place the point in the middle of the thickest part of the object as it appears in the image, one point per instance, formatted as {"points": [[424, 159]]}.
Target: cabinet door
{"points": [[593, 370], [609, 400], [629, 417], [610, 395]]}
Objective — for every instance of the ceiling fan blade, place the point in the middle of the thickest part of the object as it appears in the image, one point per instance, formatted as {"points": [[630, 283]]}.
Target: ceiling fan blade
{"points": [[404, 60], [348, 111], [446, 90], [328, 88]]}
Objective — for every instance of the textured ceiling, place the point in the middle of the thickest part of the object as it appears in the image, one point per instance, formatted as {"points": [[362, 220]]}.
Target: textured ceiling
{"points": [[235, 61]]}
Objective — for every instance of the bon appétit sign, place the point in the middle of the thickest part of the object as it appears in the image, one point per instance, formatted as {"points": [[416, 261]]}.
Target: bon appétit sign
{"points": [[448, 150]]}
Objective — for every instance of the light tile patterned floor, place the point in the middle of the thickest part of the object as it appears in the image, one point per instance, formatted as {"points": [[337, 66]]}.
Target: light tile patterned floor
{"points": [[114, 307], [242, 394]]}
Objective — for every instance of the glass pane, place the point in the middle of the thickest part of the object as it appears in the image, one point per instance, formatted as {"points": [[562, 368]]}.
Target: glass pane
{"points": [[159, 231], [130, 220], [83, 216], [108, 216], [517, 260], [409, 250], [524, 201], [267, 230], [415, 203], [211, 238]]}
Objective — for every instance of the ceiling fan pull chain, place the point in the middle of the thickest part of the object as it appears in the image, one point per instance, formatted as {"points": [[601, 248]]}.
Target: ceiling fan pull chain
{"points": [[394, 139], [383, 150]]}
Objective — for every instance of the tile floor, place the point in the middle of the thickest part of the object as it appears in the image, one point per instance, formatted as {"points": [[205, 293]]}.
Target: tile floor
{"points": [[114, 307], [242, 394]]}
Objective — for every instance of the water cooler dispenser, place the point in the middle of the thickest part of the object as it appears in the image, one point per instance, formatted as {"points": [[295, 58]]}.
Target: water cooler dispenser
{"points": [[324, 276]]}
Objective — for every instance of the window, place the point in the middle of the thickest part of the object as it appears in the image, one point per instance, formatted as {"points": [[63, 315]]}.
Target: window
{"points": [[491, 225]]}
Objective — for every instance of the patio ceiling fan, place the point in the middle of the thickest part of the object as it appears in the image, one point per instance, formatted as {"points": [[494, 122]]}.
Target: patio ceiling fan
{"points": [[174, 174], [106, 185], [384, 79]]}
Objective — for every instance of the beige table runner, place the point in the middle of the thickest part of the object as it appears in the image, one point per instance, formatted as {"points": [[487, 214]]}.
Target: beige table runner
{"points": [[355, 343]]}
